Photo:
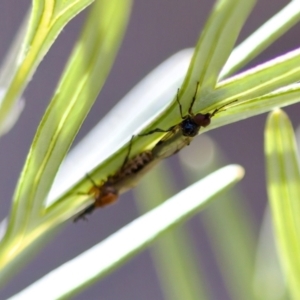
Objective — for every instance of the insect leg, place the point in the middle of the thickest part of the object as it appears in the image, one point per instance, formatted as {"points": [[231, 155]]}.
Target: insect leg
{"points": [[91, 180], [158, 130], [93, 206], [86, 211], [128, 153], [194, 99], [180, 107]]}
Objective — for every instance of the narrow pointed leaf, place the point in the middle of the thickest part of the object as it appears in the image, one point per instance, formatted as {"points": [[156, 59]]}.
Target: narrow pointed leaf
{"points": [[173, 255], [283, 178], [252, 107], [119, 247], [263, 79], [228, 221], [48, 18], [264, 36], [216, 42], [81, 82]]}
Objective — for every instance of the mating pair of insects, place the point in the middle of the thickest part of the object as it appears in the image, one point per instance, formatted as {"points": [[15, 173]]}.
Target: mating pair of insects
{"points": [[108, 191]]}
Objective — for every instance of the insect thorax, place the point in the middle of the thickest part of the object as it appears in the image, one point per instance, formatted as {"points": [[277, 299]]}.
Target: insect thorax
{"points": [[189, 127]]}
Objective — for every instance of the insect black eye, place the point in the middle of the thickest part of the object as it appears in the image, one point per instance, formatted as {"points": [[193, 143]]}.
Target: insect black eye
{"points": [[202, 120]]}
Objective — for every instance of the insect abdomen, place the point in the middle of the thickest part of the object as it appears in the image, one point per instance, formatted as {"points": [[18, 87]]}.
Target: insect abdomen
{"points": [[134, 165]]}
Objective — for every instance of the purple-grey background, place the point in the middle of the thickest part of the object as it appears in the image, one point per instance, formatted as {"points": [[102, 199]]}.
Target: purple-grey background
{"points": [[157, 30]]}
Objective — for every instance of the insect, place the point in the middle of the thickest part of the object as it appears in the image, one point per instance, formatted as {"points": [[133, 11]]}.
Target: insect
{"points": [[103, 194], [124, 179], [191, 123]]}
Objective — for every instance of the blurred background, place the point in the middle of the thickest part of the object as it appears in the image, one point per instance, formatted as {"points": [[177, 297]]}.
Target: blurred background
{"points": [[157, 30]]}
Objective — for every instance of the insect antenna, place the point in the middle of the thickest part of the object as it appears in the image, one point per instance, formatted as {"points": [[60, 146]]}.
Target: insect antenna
{"points": [[221, 108]]}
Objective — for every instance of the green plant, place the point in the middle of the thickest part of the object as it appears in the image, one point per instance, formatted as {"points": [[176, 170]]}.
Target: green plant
{"points": [[34, 216]]}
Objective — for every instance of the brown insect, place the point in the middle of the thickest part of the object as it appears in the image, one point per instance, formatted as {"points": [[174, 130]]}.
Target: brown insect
{"points": [[103, 194], [124, 179]]}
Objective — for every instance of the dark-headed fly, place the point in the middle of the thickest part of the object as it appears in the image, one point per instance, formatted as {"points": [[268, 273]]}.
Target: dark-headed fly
{"points": [[191, 123]]}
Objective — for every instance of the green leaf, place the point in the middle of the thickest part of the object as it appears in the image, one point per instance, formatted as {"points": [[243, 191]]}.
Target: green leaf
{"points": [[228, 222], [269, 281], [283, 178], [174, 255], [48, 18], [131, 239], [216, 43], [255, 106], [263, 79], [79, 86], [263, 37]]}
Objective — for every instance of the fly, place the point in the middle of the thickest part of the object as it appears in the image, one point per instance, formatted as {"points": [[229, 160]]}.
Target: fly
{"points": [[191, 123]]}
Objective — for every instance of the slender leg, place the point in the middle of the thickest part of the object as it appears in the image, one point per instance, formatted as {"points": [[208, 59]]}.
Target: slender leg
{"points": [[93, 183], [158, 130], [91, 179], [180, 107], [128, 153], [193, 100], [82, 193], [82, 214], [91, 207]]}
